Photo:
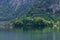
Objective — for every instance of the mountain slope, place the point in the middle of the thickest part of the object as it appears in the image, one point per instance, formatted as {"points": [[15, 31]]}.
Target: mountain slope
{"points": [[10, 9], [48, 9]]}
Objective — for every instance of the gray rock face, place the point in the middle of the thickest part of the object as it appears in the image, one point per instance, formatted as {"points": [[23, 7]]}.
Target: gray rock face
{"points": [[11, 8]]}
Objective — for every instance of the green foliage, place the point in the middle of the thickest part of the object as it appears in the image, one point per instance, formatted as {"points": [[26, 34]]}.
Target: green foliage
{"points": [[31, 23], [41, 9]]}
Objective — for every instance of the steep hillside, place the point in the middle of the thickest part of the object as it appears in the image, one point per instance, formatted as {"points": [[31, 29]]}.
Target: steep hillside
{"points": [[10, 9], [48, 9]]}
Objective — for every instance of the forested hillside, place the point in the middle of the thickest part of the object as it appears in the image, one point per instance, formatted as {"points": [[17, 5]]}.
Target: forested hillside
{"points": [[48, 9], [11, 9]]}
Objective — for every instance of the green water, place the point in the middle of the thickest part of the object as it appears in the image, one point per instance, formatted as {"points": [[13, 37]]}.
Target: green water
{"points": [[17, 35]]}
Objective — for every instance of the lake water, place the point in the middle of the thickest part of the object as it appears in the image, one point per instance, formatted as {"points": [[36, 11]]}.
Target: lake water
{"points": [[16, 35]]}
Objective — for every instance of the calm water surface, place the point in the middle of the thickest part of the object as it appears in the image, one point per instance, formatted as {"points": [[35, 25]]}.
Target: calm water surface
{"points": [[14, 35]]}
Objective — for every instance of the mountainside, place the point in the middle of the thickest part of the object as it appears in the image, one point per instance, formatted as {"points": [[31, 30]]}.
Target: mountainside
{"points": [[10, 9], [48, 9]]}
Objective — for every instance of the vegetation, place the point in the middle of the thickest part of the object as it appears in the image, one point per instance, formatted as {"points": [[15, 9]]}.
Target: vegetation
{"points": [[39, 16], [29, 23]]}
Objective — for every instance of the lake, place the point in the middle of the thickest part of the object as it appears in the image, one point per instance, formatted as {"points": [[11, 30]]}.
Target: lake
{"points": [[22, 35], [17, 35]]}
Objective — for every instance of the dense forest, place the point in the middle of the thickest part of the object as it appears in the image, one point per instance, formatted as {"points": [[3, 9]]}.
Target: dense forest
{"points": [[29, 23]]}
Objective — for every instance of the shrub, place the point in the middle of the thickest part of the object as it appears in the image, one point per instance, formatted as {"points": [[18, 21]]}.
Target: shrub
{"points": [[32, 23]]}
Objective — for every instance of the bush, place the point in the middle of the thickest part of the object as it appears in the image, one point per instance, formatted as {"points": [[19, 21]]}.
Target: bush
{"points": [[32, 23]]}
